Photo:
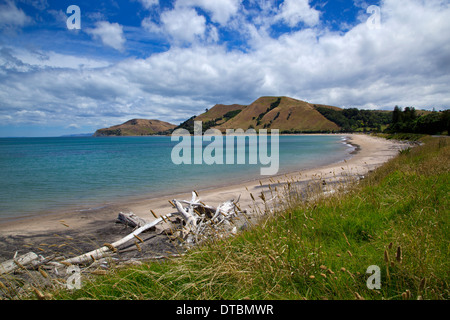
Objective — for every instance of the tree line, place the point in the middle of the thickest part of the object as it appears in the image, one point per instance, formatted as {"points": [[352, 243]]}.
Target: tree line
{"points": [[408, 121], [353, 119], [397, 121]]}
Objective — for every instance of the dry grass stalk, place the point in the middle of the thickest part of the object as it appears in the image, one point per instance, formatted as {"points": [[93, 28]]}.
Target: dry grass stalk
{"points": [[110, 247], [386, 257], [399, 257], [346, 240], [38, 294], [358, 296], [99, 272], [422, 285], [139, 238], [43, 273]]}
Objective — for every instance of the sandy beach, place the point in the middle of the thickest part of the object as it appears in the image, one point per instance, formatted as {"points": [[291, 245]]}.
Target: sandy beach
{"points": [[86, 230]]}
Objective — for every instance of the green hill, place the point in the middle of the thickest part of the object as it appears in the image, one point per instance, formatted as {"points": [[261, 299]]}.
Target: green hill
{"points": [[137, 127], [286, 114], [283, 113]]}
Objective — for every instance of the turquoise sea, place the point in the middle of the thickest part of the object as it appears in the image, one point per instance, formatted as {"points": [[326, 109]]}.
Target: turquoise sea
{"points": [[40, 175]]}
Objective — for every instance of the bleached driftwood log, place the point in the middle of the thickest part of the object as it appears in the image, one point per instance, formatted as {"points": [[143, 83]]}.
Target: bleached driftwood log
{"points": [[21, 261], [101, 252], [203, 221], [130, 219], [188, 215]]}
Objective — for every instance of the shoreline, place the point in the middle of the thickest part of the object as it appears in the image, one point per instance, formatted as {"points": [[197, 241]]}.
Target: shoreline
{"points": [[145, 197], [99, 223], [91, 204]]}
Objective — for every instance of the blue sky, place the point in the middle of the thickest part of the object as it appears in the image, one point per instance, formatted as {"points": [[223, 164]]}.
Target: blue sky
{"points": [[170, 60]]}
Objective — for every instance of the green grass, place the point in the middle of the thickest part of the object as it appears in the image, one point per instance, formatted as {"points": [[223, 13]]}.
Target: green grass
{"points": [[401, 136], [319, 249]]}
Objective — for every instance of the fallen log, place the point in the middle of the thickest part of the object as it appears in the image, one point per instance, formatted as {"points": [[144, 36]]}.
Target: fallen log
{"points": [[130, 219], [101, 252], [21, 261]]}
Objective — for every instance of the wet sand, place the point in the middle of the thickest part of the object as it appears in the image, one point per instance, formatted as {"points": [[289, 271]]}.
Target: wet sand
{"points": [[74, 232]]}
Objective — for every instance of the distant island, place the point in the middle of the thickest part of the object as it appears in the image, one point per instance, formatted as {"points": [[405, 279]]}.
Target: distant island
{"points": [[291, 115], [137, 127]]}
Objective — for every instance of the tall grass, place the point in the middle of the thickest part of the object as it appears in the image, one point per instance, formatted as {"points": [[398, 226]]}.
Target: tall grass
{"points": [[397, 218]]}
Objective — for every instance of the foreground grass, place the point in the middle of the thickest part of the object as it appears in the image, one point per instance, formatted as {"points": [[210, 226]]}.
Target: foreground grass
{"points": [[396, 219]]}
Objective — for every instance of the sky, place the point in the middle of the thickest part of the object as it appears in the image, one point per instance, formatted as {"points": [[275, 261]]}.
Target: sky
{"points": [[69, 72]]}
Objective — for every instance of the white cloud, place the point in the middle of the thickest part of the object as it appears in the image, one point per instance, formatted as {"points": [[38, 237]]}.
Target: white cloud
{"points": [[292, 12], [111, 34], [73, 126], [151, 26], [406, 62], [183, 25], [149, 3], [221, 10], [213, 34], [12, 17], [40, 59]]}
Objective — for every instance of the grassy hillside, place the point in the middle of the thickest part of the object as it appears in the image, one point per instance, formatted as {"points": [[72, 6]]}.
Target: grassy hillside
{"points": [[218, 112], [217, 115], [286, 114], [290, 116], [397, 218], [137, 127], [283, 113]]}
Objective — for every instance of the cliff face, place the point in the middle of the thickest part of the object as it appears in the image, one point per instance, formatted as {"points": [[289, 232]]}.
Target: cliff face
{"points": [[137, 127]]}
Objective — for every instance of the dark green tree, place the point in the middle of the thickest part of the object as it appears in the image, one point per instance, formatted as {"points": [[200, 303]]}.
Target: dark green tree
{"points": [[396, 115]]}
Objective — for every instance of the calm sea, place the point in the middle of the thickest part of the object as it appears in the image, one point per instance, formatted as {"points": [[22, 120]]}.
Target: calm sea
{"points": [[50, 174]]}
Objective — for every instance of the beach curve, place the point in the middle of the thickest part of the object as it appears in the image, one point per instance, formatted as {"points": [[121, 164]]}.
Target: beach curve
{"points": [[370, 153]]}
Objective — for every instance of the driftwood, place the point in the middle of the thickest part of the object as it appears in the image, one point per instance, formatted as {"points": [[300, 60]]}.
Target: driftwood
{"points": [[203, 221], [130, 219], [101, 252], [200, 219], [16, 263]]}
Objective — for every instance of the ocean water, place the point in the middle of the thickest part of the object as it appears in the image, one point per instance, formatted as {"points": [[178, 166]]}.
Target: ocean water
{"points": [[40, 175]]}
